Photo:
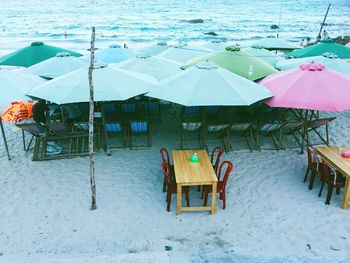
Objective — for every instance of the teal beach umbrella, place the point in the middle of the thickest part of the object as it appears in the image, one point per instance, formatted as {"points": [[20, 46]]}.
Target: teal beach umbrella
{"points": [[33, 54], [318, 49]]}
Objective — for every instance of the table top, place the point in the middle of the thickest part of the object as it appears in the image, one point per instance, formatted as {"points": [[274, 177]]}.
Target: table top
{"points": [[332, 155], [191, 173]]}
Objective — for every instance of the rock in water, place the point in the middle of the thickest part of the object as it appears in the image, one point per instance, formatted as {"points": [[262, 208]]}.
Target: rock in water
{"points": [[139, 245], [211, 33], [196, 21], [275, 27]]}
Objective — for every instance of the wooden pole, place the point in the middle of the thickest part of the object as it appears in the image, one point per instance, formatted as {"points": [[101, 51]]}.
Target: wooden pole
{"points": [[5, 141], [322, 24], [91, 123]]}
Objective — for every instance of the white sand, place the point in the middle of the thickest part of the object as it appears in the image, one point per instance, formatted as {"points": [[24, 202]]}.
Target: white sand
{"points": [[271, 215]]}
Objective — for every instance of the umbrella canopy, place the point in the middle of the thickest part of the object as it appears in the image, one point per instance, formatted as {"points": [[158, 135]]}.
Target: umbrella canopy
{"points": [[324, 46], [217, 45], [112, 54], [154, 66], [275, 44], [14, 85], [331, 61], [153, 50], [262, 53], [59, 65], [183, 53], [109, 84], [33, 54], [206, 84], [309, 87], [238, 62]]}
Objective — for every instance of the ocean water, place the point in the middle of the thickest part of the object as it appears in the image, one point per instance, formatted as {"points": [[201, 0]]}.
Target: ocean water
{"points": [[141, 22]]}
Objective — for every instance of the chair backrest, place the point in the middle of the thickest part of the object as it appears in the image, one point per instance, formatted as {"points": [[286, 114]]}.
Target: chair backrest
{"points": [[139, 126], [217, 151], [224, 170], [167, 173], [319, 122], [311, 156], [165, 155]]}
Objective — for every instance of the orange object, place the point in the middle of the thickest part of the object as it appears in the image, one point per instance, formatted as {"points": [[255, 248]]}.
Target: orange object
{"points": [[18, 111]]}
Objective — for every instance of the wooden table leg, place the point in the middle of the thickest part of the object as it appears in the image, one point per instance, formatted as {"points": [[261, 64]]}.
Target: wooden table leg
{"points": [[346, 196], [178, 198], [213, 198]]}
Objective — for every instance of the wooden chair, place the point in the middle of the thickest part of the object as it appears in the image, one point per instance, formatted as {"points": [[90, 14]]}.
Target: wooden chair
{"points": [[240, 123], [191, 123], [224, 170], [333, 179], [216, 152], [139, 128], [315, 126], [36, 130], [166, 159], [113, 126], [172, 186], [313, 165]]}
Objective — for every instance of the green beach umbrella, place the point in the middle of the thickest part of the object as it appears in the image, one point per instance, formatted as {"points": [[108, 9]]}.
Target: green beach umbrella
{"points": [[181, 54], [109, 85], [33, 54], [324, 46], [330, 60], [275, 44], [153, 66], [57, 66], [238, 62], [262, 53], [207, 84]]}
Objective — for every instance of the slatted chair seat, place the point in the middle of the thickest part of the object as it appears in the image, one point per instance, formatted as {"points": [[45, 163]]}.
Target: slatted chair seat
{"points": [[191, 126], [270, 128], [315, 125]]}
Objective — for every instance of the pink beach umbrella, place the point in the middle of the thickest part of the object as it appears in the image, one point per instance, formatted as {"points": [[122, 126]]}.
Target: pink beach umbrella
{"points": [[309, 87]]}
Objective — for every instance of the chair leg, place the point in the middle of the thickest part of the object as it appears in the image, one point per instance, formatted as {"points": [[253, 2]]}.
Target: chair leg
{"points": [[306, 174], [337, 189], [206, 193], [168, 201], [223, 197], [312, 179], [187, 196], [164, 185], [321, 189], [329, 194]]}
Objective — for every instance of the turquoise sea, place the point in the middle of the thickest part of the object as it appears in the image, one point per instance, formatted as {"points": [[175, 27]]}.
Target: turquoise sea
{"points": [[141, 22]]}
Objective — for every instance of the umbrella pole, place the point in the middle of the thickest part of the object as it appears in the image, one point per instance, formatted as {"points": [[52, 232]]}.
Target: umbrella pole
{"points": [[4, 138]]}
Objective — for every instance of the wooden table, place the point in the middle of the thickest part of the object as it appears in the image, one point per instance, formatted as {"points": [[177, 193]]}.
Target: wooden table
{"points": [[332, 155], [190, 173]]}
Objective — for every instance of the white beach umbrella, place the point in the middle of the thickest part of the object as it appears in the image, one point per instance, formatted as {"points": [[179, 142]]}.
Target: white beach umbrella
{"points": [[154, 66], [206, 84], [182, 54], [217, 46], [54, 67], [14, 85], [109, 84], [113, 54], [275, 44], [152, 50]]}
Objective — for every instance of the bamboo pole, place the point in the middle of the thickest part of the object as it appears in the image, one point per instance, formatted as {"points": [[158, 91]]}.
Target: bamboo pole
{"points": [[5, 141], [91, 123]]}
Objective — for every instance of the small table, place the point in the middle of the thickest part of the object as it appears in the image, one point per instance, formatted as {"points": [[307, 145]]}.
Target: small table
{"points": [[191, 173], [332, 155]]}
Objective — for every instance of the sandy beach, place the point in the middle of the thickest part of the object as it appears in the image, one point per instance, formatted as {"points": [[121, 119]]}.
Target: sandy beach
{"points": [[271, 216]]}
